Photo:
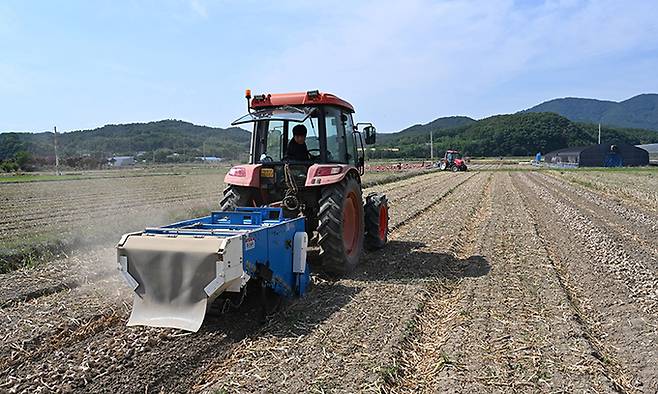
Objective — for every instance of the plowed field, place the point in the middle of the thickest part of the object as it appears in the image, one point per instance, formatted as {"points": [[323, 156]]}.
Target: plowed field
{"points": [[493, 281]]}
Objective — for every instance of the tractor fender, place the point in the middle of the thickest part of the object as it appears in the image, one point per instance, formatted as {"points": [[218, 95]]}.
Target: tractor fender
{"points": [[327, 174], [244, 175]]}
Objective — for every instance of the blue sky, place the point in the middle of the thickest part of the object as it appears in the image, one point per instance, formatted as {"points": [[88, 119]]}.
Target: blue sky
{"points": [[83, 64]]}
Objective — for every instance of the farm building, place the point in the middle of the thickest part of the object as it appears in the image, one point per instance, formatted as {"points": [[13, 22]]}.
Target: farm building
{"points": [[652, 149], [601, 155], [121, 161]]}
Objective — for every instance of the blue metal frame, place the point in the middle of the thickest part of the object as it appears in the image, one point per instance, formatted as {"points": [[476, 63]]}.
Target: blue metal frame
{"points": [[267, 243]]}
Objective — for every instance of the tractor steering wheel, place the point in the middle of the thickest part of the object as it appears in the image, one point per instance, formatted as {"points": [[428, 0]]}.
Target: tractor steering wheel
{"points": [[314, 157]]}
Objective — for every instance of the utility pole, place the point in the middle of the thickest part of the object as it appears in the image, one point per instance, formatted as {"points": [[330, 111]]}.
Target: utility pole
{"points": [[56, 154], [205, 160], [431, 146], [599, 133]]}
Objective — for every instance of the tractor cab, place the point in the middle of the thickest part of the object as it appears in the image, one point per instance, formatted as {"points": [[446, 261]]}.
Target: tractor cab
{"points": [[332, 136], [451, 155], [333, 141]]}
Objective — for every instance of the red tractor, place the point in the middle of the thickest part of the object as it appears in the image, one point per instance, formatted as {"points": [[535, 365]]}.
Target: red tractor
{"points": [[321, 180], [452, 161]]}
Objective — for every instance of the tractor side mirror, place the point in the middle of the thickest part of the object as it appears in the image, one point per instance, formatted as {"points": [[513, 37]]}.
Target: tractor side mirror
{"points": [[370, 134]]}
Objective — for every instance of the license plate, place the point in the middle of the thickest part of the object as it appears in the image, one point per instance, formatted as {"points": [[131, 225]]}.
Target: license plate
{"points": [[267, 172]]}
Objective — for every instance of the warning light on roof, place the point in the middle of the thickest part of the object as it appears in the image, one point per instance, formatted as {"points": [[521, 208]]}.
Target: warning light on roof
{"points": [[313, 94], [247, 93]]}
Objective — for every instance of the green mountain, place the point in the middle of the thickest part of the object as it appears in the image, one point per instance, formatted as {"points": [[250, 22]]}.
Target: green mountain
{"points": [[166, 136], [639, 112], [521, 134], [422, 129]]}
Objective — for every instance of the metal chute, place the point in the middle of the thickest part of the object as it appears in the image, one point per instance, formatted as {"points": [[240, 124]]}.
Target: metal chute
{"points": [[177, 276]]}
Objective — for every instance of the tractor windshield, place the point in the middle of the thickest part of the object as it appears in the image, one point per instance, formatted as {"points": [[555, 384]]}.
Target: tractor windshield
{"points": [[453, 155], [274, 135]]}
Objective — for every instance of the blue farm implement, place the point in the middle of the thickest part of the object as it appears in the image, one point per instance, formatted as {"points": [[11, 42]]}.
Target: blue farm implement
{"points": [[176, 271]]}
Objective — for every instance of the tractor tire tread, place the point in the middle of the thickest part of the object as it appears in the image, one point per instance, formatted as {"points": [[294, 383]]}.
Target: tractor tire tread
{"points": [[330, 241], [234, 196], [371, 212]]}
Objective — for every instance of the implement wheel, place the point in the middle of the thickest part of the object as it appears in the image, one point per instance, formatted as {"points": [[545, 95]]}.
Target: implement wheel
{"points": [[341, 226], [376, 212]]}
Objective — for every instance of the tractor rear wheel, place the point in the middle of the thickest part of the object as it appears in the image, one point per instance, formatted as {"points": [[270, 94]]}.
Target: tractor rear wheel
{"points": [[341, 226], [443, 166], [376, 214], [236, 196]]}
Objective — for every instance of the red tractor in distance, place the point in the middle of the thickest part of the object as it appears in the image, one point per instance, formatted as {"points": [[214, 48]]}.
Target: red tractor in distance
{"points": [[453, 161], [325, 187]]}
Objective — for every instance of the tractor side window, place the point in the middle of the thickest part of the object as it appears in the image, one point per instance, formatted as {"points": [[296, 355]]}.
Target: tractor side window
{"points": [[312, 138], [274, 147], [349, 139], [335, 136]]}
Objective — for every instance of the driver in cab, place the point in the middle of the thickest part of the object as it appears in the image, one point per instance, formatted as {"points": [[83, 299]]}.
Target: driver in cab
{"points": [[297, 149]]}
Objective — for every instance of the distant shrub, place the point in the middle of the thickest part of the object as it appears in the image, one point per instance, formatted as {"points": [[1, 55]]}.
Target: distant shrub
{"points": [[8, 166]]}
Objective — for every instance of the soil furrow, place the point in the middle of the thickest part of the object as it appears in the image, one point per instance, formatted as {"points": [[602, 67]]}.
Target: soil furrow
{"points": [[107, 338], [612, 290], [633, 262], [617, 212], [509, 330], [492, 282], [357, 342], [613, 371]]}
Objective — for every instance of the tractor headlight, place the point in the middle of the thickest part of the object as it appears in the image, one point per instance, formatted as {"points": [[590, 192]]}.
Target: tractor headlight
{"points": [[238, 171]]}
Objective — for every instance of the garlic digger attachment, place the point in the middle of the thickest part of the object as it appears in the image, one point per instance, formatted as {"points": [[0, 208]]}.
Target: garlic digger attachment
{"points": [[176, 271]]}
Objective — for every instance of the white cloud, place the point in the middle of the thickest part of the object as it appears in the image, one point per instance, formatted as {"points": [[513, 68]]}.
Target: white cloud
{"points": [[440, 50], [199, 8]]}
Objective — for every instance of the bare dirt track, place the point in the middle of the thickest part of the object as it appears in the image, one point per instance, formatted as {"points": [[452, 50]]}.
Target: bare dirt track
{"points": [[492, 282]]}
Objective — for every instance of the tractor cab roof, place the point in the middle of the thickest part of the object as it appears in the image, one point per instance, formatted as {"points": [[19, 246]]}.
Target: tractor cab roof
{"points": [[452, 151], [313, 97]]}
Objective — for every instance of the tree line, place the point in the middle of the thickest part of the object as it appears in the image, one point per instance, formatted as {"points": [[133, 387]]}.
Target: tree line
{"points": [[521, 134]]}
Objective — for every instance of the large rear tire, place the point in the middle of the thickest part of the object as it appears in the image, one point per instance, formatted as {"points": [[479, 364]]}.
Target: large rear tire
{"points": [[236, 196], [376, 214], [341, 227]]}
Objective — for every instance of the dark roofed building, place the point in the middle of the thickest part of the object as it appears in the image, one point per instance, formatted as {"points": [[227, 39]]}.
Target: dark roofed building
{"points": [[602, 155]]}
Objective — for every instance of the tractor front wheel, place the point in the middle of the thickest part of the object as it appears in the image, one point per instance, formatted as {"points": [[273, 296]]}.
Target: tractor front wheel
{"points": [[376, 213], [236, 196], [341, 227]]}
